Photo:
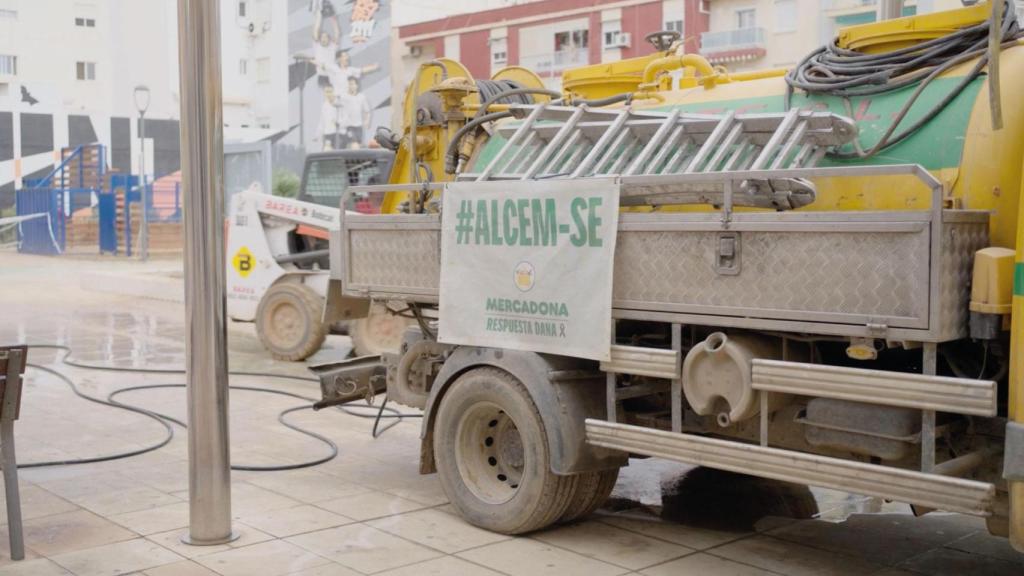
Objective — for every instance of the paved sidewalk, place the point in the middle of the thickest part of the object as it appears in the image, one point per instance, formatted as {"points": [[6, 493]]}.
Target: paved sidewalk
{"points": [[368, 511]]}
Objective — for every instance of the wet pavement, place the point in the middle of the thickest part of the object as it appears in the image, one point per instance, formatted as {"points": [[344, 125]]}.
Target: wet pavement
{"points": [[369, 511]]}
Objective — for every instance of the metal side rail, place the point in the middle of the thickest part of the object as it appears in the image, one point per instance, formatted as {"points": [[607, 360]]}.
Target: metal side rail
{"points": [[653, 362], [921, 391], [930, 490]]}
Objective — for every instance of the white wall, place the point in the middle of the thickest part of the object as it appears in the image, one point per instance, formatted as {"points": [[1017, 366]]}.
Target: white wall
{"points": [[134, 42]]}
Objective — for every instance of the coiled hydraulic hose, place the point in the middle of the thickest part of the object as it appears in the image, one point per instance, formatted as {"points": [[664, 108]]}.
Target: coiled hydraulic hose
{"points": [[835, 71]]}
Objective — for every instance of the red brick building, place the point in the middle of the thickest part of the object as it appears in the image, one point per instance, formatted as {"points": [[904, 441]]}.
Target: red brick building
{"points": [[549, 36]]}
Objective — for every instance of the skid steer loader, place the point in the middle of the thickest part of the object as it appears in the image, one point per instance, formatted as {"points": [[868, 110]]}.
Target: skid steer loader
{"points": [[277, 262]]}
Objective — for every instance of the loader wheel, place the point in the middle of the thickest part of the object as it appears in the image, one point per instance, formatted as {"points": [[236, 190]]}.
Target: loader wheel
{"points": [[592, 489], [289, 321], [380, 332], [492, 456]]}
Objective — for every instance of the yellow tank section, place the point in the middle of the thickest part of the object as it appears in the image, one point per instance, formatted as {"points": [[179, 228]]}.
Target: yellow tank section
{"points": [[887, 35], [606, 79]]}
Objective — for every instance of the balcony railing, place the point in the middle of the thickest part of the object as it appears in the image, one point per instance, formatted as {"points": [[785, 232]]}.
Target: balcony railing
{"points": [[847, 5], [554, 62], [726, 40]]}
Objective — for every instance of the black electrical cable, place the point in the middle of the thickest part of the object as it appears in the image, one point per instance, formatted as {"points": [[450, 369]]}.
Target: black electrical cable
{"points": [[164, 419], [156, 446], [492, 92], [333, 448], [452, 155], [835, 71]]}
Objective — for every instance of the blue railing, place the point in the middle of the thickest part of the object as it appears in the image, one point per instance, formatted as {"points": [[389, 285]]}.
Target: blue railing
{"points": [[58, 201]]}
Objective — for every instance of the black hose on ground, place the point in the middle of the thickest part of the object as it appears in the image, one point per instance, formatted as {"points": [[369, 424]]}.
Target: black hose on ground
{"points": [[835, 71], [166, 421]]}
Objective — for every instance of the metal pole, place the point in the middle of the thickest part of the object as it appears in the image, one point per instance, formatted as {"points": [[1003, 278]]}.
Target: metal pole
{"points": [[202, 164], [144, 229]]}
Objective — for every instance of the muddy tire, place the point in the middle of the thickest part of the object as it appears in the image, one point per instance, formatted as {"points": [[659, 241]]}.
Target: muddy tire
{"points": [[592, 489], [378, 333], [289, 321], [492, 456]]}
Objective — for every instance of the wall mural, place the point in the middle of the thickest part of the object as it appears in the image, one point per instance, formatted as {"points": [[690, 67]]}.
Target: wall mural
{"points": [[339, 78]]}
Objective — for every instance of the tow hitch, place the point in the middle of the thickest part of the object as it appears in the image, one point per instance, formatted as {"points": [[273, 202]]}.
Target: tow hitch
{"points": [[348, 380]]}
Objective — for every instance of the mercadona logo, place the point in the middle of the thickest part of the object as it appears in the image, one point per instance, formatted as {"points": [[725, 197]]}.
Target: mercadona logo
{"points": [[524, 276]]}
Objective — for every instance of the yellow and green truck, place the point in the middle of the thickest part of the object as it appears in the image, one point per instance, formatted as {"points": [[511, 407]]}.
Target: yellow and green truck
{"points": [[810, 275]]}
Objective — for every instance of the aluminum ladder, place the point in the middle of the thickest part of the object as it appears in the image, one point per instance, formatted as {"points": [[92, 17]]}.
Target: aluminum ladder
{"points": [[580, 142]]}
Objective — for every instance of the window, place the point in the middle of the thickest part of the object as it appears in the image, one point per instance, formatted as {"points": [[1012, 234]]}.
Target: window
{"points": [[746, 18], [612, 31], [8, 65], [85, 22], [263, 70], [85, 70], [241, 9], [243, 66], [571, 40], [499, 51], [673, 12], [785, 15]]}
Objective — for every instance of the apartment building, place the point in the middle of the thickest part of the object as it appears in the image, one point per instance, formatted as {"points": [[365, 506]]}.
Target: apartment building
{"points": [[69, 70], [759, 34], [546, 36]]}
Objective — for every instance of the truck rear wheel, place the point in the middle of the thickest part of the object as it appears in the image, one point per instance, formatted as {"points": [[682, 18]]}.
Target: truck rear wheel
{"points": [[380, 332], [592, 489], [492, 455], [289, 321]]}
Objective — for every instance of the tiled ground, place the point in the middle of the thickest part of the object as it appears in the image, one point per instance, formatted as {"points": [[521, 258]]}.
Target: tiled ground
{"points": [[368, 511]]}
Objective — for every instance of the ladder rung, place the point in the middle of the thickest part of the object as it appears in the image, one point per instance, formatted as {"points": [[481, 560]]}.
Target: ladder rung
{"points": [[654, 143], [711, 142], [601, 143]]}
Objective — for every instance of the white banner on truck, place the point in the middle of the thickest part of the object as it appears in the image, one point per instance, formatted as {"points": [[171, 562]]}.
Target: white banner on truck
{"points": [[528, 266]]}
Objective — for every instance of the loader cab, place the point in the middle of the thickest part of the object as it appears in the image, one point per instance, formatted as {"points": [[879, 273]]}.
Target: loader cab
{"points": [[326, 176]]}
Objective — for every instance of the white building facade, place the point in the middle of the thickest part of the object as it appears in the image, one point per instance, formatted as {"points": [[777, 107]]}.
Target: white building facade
{"points": [[69, 69]]}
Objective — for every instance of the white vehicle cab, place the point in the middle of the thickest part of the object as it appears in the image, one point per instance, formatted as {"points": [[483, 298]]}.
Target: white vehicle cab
{"points": [[277, 257]]}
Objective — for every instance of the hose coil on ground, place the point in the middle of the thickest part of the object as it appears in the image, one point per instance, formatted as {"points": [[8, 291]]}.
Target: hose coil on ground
{"points": [[836, 71]]}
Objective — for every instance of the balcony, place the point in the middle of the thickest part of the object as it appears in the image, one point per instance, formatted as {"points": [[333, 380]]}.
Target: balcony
{"points": [[727, 40], [553, 63], [733, 45]]}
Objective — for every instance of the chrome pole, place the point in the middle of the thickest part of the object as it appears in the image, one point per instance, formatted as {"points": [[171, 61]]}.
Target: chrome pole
{"points": [[202, 168]]}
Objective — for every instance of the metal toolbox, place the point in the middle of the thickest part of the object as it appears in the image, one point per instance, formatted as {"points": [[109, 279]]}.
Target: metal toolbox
{"points": [[896, 275]]}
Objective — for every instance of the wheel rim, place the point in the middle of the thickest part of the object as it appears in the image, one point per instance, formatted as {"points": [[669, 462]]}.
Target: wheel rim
{"points": [[287, 325], [490, 455]]}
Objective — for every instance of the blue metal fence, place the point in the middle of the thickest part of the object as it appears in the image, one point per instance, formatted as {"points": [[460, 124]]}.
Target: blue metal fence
{"points": [[107, 208], [54, 199], [45, 234]]}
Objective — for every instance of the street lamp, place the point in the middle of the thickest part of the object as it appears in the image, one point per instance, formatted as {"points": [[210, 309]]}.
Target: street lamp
{"points": [[142, 104]]}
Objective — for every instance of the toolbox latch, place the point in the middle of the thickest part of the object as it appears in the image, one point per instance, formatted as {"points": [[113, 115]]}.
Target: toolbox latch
{"points": [[728, 261]]}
